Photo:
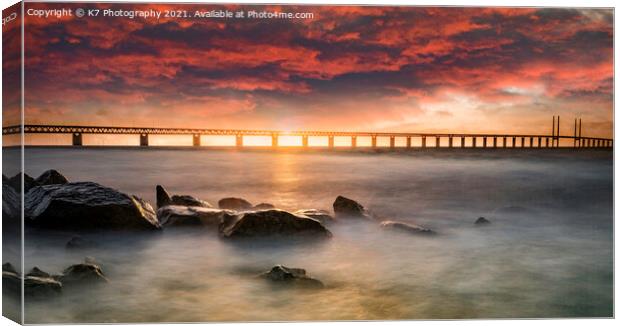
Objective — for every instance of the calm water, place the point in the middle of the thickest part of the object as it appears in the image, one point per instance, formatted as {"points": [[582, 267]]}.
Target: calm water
{"points": [[548, 252]]}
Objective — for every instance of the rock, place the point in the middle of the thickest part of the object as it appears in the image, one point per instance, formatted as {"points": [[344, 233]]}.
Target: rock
{"points": [[345, 207], [319, 215], [291, 276], [271, 223], [36, 272], [7, 267], [11, 206], [16, 182], [234, 203], [164, 199], [482, 221], [35, 286], [84, 273], [78, 242], [174, 215], [87, 205], [263, 206], [11, 282], [51, 177], [409, 228]]}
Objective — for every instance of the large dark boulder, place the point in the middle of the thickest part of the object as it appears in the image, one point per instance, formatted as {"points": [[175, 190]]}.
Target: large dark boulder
{"points": [[406, 227], [317, 214], [280, 274], [271, 223], [238, 204], [87, 205], [345, 207], [11, 204], [51, 177], [82, 274], [164, 199], [16, 182], [173, 215]]}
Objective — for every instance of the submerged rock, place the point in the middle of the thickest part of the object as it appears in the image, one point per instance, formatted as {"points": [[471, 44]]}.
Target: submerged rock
{"points": [[87, 205], [78, 242], [317, 214], [291, 276], [84, 273], [406, 227], [234, 203], [345, 207], [482, 221], [174, 215], [263, 206], [7, 267], [36, 272], [271, 223], [164, 199], [35, 286], [51, 177]]}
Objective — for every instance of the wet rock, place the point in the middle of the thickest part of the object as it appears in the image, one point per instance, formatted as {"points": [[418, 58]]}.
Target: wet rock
{"points": [[482, 221], [291, 276], [174, 215], [234, 203], [317, 214], [271, 223], [345, 207], [164, 199], [11, 282], [36, 272], [7, 267], [87, 205], [78, 242], [35, 286], [406, 227], [263, 206], [51, 177], [16, 182], [84, 273]]}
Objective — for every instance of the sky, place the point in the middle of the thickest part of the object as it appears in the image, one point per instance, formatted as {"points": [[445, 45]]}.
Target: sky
{"points": [[417, 69]]}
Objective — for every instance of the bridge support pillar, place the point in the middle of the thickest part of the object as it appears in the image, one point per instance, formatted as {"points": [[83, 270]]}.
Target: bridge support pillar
{"points": [[504, 142], [450, 141], [494, 142], [239, 141], [330, 141], [484, 142], [392, 142], [473, 142], [539, 142], [531, 141], [274, 140], [77, 139], [514, 142], [144, 139], [546, 141], [462, 142], [522, 142], [408, 142], [354, 141], [374, 141], [196, 140], [423, 142], [437, 142]]}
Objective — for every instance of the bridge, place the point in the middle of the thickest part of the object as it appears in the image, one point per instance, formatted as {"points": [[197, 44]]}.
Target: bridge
{"points": [[454, 140]]}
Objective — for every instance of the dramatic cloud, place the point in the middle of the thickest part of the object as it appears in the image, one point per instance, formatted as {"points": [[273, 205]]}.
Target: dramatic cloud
{"points": [[348, 68]]}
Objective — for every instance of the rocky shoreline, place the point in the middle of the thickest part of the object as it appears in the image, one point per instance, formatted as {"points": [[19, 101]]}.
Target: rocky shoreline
{"points": [[52, 202]]}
